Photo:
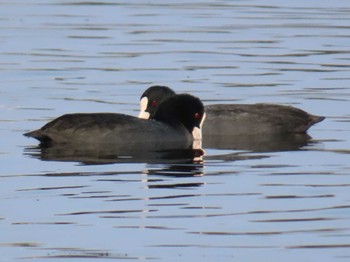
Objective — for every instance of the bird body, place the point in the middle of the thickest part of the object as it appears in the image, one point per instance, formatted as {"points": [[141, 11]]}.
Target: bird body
{"points": [[175, 126]]}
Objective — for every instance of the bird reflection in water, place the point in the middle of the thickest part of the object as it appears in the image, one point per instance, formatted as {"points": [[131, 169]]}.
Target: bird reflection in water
{"points": [[174, 163], [152, 177], [259, 143], [95, 155]]}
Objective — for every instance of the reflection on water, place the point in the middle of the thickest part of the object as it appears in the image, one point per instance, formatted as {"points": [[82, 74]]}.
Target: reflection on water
{"points": [[259, 143], [76, 253], [132, 154], [109, 155], [249, 199]]}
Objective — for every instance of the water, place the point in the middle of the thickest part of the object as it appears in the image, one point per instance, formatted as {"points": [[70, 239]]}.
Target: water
{"points": [[257, 203]]}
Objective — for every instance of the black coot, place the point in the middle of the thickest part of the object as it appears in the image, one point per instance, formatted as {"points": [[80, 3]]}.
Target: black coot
{"points": [[238, 119], [176, 124]]}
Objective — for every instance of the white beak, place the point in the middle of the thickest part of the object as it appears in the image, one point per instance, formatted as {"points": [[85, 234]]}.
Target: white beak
{"points": [[144, 115], [197, 131], [197, 134], [143, 106]]}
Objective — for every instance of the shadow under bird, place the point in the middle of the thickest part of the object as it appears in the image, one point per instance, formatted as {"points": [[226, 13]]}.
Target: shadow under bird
{"points": [[176, 125]]}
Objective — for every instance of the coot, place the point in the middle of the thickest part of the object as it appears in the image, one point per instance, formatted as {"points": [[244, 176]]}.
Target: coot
{"points": [[238, 119], [176, 124]]}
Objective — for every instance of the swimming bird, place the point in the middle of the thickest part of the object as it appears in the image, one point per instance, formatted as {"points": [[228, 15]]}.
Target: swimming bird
{"points": [[237, 119], [176, 125]]}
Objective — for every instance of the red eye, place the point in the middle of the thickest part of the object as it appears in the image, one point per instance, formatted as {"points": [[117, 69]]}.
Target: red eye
{"points": [[154, 103], [197, 116]]}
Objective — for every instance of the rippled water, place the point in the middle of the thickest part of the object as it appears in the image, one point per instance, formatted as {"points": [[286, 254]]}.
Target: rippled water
{"points": [[268, 201]]}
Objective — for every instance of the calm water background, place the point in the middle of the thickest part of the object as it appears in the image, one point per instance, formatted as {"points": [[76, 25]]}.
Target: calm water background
{"points": [[76, 56]]}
